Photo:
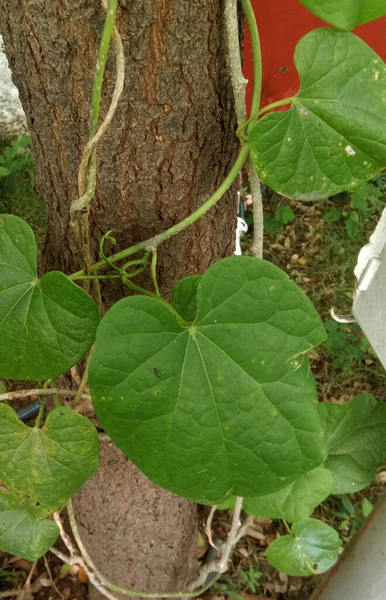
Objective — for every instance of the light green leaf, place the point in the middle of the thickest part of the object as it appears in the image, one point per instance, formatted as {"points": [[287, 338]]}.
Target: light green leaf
{"points": [[346, 14], [295, 502], [334, 136], [184, 297], [352, 224], [45, 467], [312, 547], [4, 172], [46, 325], [367, 508], [3, 389], [333, 215], [233, 407], [356, 438]]}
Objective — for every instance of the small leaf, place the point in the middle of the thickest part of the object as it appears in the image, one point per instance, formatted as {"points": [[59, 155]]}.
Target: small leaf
{"points": [[367, 508], [237, 376], [3, 389], [359, 201], [184, 297], [334, 136], [312, 547], [333, 215], [295, 502], [352, 224], [24, 536], [285, 214], [356, 438], [4, 172], [46, 325], [346, 14], [45, 467]]}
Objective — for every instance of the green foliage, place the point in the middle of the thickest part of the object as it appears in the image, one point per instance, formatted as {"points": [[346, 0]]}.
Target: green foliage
{"points": [[283, 215], [344, 344], [346, 14], [185, 297], [251, 578], [311, 547], [47, 325], [356, 439], [330, 140], [40, 470], [238, 375], [17, 185]]}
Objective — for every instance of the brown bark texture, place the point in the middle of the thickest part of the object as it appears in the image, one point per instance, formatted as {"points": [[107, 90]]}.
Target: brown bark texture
{"points": [[170, 145]]}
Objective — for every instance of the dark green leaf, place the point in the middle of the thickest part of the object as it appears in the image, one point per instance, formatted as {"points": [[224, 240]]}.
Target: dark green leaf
{"points": [[295, 502], [334, 136], [359, 201], [356, 437], [46, 325], [285, 214], [352, 224], [346, 14], [45, 467], [234, 408], [333, 215], [312, 547], [3, 389], [184, 297]]}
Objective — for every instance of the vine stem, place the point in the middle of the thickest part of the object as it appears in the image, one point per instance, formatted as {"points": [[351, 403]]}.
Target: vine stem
{"points": [[41, 392], [151, 243], [79, 209], [262, 111], [253, 178]]}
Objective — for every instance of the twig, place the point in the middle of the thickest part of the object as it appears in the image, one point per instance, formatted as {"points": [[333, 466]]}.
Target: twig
{"points": [[239, 84], [81, 388], [208, 527], [41, 392], [221, 565], [53, 584]]}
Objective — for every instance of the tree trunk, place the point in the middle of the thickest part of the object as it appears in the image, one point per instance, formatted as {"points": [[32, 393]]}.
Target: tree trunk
{"points": [[169, 147]]}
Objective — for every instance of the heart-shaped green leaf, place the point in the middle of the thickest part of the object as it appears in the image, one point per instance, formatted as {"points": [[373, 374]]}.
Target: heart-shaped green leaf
{"points": [[24, 536], [346, 14], [45, 467], [312, 547], [295, 502], [356, 438], [226, 405], [334, 136], [46, 325]]}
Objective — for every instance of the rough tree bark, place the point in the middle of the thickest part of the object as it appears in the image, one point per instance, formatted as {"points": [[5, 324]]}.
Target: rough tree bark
{"points": [[170, 145]]}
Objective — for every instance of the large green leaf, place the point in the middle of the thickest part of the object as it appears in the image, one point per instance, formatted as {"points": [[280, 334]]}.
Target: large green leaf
{"points": [[356, 438], [334, 136], [295, 502], [226, 405], [45, 467], [346, 14], [312, 547], [46, 325]]}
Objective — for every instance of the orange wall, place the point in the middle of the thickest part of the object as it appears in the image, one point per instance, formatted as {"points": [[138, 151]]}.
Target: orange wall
{"points": [[281, 25]]}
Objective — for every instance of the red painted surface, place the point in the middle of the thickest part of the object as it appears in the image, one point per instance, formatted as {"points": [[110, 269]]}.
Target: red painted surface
{"points": [[281, 25]]}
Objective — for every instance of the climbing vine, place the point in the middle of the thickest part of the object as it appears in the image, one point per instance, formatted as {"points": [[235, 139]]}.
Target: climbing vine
{"points": [[211, 396]]}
